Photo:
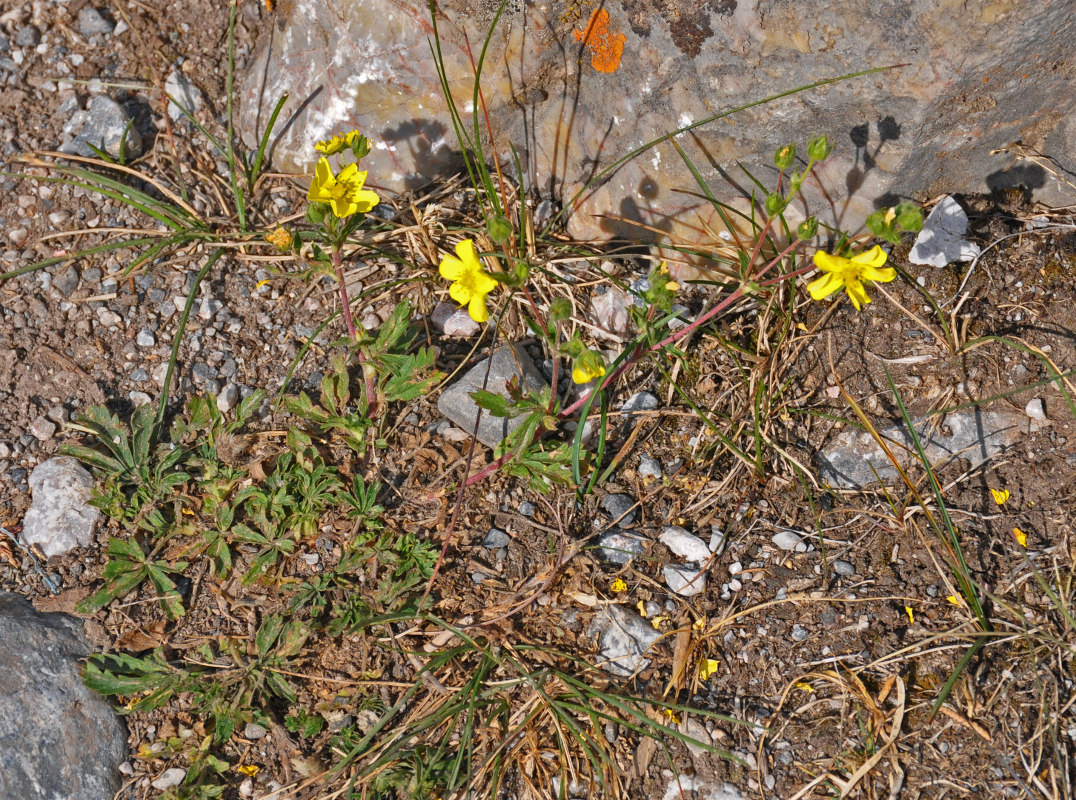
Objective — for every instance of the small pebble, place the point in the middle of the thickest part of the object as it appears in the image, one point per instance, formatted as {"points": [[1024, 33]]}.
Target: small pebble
{"points": [[254, 731], [527, 508], [91, 21], [844, 568], [640, 401], [786, 540], [496, 539], [170, 778], [621, 508], [735, 585], [43, 428], [146, 338], [139, 399], [688, 546], [685, 581], [1035, 409], [227, 399], [735, 568], [799, 633], [649, 467]]}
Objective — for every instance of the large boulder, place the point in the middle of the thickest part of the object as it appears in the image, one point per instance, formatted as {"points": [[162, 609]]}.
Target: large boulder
{"points": [[574, 86], [58, 739]]}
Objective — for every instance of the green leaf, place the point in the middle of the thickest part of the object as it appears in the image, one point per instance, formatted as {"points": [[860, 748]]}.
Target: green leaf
{"points": [[495, 404], [267, 634]]}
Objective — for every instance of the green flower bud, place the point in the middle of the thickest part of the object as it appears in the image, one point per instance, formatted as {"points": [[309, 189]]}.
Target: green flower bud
{"points": [[775, 204], [910, 217], [560, 309], [818, 148], [807, 229], [499, 228], [785, 156]]}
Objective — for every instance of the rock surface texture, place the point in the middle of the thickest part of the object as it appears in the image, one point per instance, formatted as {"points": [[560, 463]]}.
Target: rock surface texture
{"points": [[60, 517], [575, 85], [58, 739]]}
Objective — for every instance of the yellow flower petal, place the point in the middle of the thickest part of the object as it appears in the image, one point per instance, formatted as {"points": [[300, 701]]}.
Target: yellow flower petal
{"points": [[1000, 495], [618, 586], [708, 668], [856, 292], [956, 601], [827, 262], [823, 287], [642, 609], [883, 275], [1021, 537], [477, 308], [250, 770], [874, 257], [911, 616], [451, 268]]}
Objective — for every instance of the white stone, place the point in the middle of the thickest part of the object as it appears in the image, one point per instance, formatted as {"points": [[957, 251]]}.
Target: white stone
{"points": [[1035, 409], [941, 241], [60, 517], [170, 778], [786, 540], [685, 581], [688, 546]]}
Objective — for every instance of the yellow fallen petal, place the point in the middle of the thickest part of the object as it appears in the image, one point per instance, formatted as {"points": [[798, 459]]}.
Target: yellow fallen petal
{"points": [[642, 609], [956, 601], [618, 586], [672, 715], [250, 770], [707, 668], [911, 616], [698, 624], [803, 686], [1000, 495], [1021, 537], [656, 622]]}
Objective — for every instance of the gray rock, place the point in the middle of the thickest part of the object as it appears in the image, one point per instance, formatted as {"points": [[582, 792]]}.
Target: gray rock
{"points": [[66, 281], [183, 92], [146, 338], [799, 633], [786, 540], [43, 429], [60, 517], [496, 539], [254, 731], [506, 363], [527, 508], [60, 739], [649, 467], [91, 21], [27, 36], [619, 547], [102, 124], [139, 398], [1035, 409], [109, 318], [632, 72], [685, 581], [640, 401], [844, 569], [686, 545], [942, 239], [623, 638], [227, 398], [609, 312], [451, 320], [170, 778], [621, 508], [851, 460]]}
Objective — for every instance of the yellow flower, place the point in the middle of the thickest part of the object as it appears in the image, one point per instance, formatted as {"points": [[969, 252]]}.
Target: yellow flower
{"points": [[849, 274], [343, 192], [1000, 495], [470, 284], [708, 668], [337, 143], [250, 770], [588, 366], [618, 586], [280, 239], [1021, 537]]}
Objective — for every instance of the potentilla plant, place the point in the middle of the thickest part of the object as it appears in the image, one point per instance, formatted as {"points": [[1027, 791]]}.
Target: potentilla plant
{"points": [[392, 369]]}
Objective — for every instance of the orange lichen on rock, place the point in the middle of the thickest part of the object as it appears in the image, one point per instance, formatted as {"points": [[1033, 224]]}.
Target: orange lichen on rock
{"points": [[606, 48]]}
